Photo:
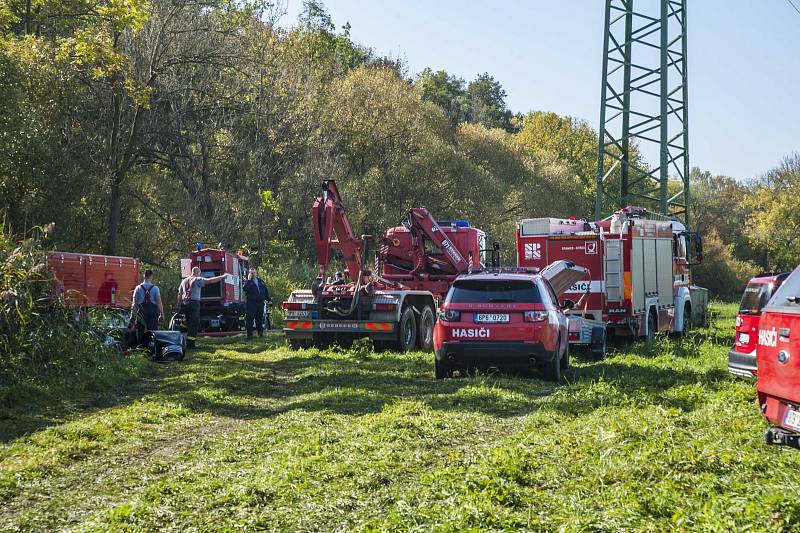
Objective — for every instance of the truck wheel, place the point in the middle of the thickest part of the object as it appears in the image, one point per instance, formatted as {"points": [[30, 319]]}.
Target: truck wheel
{"points": [[598, 346], [408, 331], [425, 333], [687, 320], [440, 369], [322, 341], [650, 336]]}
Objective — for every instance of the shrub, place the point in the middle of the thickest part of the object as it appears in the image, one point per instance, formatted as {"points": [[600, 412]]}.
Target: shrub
{"points": [[43, 343]]}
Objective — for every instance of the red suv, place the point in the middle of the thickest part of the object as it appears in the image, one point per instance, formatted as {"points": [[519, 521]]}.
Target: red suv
{"points": [[742, 357], [506, 318], [779, 362]]}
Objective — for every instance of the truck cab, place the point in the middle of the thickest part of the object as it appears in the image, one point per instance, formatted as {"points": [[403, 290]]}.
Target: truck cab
{"points": [[221, 304]]}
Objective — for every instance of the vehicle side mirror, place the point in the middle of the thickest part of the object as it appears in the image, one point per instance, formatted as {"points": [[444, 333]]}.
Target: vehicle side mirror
{"points": [[697, 241], [568, 304]]}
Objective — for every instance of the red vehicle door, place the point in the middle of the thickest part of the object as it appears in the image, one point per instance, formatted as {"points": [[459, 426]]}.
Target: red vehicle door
{"points": [[778, 355]]}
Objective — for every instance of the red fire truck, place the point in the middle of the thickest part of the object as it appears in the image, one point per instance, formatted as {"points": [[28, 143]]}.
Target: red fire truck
{"points": [[396, 301], [222, 305], [88, 280], [640, 276]]}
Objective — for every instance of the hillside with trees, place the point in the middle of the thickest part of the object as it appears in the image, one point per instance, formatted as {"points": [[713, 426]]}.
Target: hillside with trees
{"points": [[141, 127]]}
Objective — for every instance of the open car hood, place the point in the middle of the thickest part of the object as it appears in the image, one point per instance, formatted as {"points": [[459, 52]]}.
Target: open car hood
{"points": [[563, 274]]}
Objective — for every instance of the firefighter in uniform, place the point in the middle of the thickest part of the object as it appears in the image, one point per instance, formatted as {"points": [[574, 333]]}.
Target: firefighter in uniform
{"points": [[257, 294], [147, 305], [189, 301]]}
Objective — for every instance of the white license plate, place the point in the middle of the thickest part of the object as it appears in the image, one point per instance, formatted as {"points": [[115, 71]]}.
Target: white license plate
{"points": [[491, 318], [744, 338], [296, 314], [215, 323], [792, 419]]}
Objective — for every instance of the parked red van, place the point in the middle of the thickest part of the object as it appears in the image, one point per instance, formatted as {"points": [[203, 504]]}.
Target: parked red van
{"points": [[778, 359], [742, 356]]}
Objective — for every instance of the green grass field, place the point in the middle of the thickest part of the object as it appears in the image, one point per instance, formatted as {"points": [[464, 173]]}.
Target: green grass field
{"points": [[254, 435]]}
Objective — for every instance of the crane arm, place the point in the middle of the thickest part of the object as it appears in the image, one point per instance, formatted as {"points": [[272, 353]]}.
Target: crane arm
{"points": [[420, 218], [329, 220]]}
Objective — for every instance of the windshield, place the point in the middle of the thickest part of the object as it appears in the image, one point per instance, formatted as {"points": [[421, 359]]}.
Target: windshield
{"points": [[787, 297], [755, 297], [494, 291]]}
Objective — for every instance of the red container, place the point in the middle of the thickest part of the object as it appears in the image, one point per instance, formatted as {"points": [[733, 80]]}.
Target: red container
{"points": [[88, 280]]}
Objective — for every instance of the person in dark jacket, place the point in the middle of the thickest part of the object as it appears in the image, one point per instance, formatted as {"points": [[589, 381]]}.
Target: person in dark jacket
{"points": [[257, 295]]}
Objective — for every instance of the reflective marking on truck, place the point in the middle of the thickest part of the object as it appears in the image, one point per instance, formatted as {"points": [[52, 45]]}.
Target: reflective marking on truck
{"points": [[627, 280], [299, 325], [471, 333], [378, 326]]}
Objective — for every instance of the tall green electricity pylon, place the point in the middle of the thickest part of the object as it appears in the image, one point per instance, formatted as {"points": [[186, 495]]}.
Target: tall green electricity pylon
{"points": [[644, 108]]}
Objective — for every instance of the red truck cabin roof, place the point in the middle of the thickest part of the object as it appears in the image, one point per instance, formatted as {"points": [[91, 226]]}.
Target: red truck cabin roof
{"points": [[89, 280]]}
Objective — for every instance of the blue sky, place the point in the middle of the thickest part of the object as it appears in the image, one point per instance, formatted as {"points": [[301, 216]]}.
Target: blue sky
{"points": [[744, 73]]}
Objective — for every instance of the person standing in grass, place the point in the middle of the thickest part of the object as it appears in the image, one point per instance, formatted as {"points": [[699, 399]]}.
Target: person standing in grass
{"points": [[147, 307], [257, 295], [189, 301]]}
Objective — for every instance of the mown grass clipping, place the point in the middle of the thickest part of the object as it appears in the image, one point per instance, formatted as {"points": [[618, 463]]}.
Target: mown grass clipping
{"points": [[255, 435]]}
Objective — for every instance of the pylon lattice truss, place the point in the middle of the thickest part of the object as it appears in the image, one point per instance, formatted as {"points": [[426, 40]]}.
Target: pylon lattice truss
{"points": [[644, 107]]}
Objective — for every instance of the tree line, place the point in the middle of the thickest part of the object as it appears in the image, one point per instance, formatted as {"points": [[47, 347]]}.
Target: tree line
{"points": [[143, 126]]}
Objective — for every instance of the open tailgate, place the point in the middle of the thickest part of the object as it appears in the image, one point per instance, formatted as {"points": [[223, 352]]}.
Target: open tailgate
{"points": [[563, 274]]}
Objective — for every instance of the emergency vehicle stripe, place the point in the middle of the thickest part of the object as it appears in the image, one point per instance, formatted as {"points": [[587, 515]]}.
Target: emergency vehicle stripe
{"points": [[378, 326], [298, 325], [628, 290]]}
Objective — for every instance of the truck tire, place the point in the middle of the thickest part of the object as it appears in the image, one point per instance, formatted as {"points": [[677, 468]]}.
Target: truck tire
{"points": [[298, 344], [407, 331], [687, 320], [440, 369], [598, 347], [425, 330], [650, 335]]}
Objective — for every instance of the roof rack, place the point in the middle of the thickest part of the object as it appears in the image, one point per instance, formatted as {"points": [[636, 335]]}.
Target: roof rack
{"points": [[505, 270]]}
